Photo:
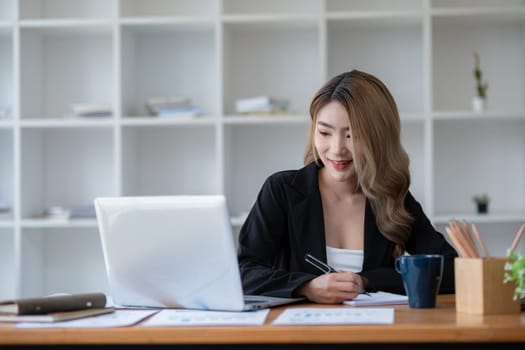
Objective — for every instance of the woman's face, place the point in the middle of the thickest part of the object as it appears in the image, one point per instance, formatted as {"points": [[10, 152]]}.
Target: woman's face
{"points": [[333, 142]]}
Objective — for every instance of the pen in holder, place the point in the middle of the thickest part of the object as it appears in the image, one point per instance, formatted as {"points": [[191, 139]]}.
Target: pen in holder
{"points": [[479, 277]]}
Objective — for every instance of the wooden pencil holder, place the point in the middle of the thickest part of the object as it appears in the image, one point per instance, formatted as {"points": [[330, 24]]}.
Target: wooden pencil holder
{"points": [[480, 288]]}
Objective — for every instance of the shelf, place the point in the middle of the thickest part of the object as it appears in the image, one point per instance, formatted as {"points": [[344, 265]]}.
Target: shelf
{"points": [[6, 223], [7, 193], [266, 119], [169, 160], [163, 121], [492, 217], [271, 7], [55, 257], [7, 267], [6, 74], [67, 122], [186, 67], [373, 5], [491, 162], [74, 24], [455, 41], [48, 93], [47, 182], [7, 10], [56, 9], [264, 53], [120, 53], [473, 116], [242, 182], [58, 223], [162, 8]]}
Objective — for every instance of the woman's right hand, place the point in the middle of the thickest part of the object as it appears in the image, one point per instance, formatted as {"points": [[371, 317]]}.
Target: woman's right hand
{"points": [[332, 288]]}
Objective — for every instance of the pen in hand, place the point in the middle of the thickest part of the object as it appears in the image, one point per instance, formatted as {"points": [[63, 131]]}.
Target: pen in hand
{"points": [[325, 268]]}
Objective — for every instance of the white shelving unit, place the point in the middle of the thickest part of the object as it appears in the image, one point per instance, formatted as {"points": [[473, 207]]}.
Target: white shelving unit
{"points": [[54, 53]]}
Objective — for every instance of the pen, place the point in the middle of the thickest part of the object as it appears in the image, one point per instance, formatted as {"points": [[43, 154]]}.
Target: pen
{"points": [[325, 268]]}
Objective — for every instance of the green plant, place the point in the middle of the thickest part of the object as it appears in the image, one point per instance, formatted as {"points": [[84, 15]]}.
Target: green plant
{"points": [[481, 86], [481, 198], [515, 272]]}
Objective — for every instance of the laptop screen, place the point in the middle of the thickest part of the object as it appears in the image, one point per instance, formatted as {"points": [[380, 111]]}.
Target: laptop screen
{"points": [[170, 251]]}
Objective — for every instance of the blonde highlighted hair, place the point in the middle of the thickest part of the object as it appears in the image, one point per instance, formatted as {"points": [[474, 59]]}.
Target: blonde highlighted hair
{"points": [[381, 162]]}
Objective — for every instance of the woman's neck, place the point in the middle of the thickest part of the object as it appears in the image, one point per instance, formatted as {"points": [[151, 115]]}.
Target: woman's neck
{"points": [[340, 189]]}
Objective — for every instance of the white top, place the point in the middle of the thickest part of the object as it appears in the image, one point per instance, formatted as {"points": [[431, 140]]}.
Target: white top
{"points": [[345, 259]]}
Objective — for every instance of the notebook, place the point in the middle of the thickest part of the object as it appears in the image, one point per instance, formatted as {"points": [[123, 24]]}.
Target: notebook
{"points": [[173, 251]]}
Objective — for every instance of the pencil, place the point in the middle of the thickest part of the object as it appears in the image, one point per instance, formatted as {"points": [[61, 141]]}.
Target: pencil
{"points": [[517, 238], [468, 235], [480, 241], [458, 231], [457, 244]]}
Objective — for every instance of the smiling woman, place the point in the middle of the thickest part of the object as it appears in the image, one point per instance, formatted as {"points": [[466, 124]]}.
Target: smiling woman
{"points": [[352, 195]]}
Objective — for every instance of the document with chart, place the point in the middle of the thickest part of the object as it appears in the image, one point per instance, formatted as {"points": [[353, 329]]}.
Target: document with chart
{"points": [[335, 316]]}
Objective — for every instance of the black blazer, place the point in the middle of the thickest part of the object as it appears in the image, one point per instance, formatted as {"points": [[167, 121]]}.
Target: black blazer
{"points": [[286, 222]]}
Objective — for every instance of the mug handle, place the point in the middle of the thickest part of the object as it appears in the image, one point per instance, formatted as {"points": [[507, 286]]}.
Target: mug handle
{"points": [[397, 265]]}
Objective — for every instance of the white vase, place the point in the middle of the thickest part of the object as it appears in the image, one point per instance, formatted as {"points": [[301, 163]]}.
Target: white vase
{"points": [[479, 104]]}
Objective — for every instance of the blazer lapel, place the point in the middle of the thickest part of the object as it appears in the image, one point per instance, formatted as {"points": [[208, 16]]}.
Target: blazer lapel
{"points": [[307, 216]]}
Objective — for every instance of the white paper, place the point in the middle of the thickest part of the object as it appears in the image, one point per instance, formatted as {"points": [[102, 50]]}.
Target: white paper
{"points": [[377, 298], [335, 316], [119, 318], [184, 317]]}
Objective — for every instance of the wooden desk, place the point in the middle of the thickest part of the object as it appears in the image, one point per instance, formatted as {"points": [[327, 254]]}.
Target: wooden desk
{"points": [[412, 328]]}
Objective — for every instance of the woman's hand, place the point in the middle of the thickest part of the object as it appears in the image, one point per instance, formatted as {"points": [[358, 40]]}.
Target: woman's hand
{"points": [[332, 288]]}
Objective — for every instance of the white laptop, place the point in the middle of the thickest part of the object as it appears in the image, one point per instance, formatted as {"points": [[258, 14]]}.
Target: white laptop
{"points": [[173, 251]]}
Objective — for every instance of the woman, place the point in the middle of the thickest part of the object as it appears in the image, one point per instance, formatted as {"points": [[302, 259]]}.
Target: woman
{"points": [[349, 205]]}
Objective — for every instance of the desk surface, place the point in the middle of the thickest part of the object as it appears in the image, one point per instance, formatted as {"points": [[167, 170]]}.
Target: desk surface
{"points": [[439, 325]]}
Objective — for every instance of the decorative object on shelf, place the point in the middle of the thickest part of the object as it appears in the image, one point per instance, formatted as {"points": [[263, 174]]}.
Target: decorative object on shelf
{"points": [[57, 212], [90, 110], [482, 202], [515, 266], [479, 102]]}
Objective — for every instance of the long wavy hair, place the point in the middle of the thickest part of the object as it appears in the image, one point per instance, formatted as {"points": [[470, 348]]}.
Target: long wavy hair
{"points": [[382, 164]]}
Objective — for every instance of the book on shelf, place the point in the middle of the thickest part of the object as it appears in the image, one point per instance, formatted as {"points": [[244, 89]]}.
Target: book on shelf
{"points": [[91, 110], [178, 106], [261, 104], [57, 316], [168, 101], [52, 303], [179, 112]]}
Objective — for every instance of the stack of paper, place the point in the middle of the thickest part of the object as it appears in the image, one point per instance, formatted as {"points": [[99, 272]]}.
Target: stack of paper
{"points": [[378, 298], [177, 106]]}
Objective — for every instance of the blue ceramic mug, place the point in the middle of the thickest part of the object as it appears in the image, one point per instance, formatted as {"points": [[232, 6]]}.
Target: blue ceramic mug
{"points": [[421, 275]]}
